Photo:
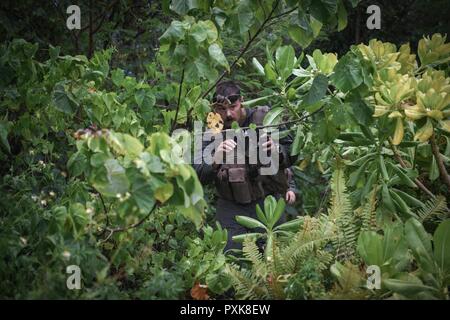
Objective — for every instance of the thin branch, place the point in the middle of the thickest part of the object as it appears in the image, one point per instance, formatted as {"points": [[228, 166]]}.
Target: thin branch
{"points": [[437, 155], [274, 125], [174, 123], [134, 225], [402, 163], [105, 210], [243, 51]]}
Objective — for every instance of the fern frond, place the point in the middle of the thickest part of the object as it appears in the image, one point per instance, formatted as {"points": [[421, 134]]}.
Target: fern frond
{"points": [[434, 208], [369, 214], [341, 213], [247, 284], [251, 252], [339, 204]]}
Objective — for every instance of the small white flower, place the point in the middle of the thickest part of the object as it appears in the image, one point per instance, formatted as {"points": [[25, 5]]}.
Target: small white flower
{"points": [[52, 194], [23, 240], [66, 254], [34, 197], [44, 202], [89, 211]]}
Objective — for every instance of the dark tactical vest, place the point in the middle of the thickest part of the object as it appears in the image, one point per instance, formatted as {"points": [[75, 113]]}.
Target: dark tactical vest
{"points": [[242, 183]]}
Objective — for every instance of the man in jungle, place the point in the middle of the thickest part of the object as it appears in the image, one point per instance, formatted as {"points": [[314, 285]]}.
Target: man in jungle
{"points": [[240, 187]]}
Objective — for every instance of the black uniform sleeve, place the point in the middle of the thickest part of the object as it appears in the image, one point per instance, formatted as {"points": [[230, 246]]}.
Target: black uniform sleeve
{"points": [[206, 172]]}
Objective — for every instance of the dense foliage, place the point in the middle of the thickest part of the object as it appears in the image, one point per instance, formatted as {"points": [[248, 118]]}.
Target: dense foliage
{"points": [[91, 175]]}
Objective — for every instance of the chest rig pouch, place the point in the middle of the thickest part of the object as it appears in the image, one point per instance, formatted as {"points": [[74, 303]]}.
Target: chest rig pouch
{"points": [[234, 181]]}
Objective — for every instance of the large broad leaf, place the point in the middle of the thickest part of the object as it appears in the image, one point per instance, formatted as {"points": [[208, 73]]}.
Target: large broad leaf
{"points": [[285, 61], [215, 52], [174, 33], [243, 18], [395, 247], [125, 144], [342, 16], [419, 242], [145, 99], [273, 116], [323, 9], [249, 222], [116, 180], [183, 6], [409, 287], [279, 209], [317, 91], [347, 73], [442, 246], [370, 248], [63, 100], [142, 193]]}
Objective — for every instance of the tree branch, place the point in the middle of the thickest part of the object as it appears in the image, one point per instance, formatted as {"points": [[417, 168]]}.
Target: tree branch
{"points": [[243, 51], [134, 225], [437, 155], [402, 163], [174, 123]]}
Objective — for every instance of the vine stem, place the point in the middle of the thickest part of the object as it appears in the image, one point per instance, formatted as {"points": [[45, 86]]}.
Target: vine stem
{"points": [[437, 155], [402, 163], [174, 123], [125, 228], [243, 51]]}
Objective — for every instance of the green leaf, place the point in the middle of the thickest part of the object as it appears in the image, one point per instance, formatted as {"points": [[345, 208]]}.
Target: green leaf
{"points": [[145, 99], [77, 164], [342, 16], [295, 149], [4, 130], [198, 32], [125, 144], [243, 17], [116, 180], [419, 242], [182, 6], [62, 100], [293, 225], [142, 193], [273, 116], [279, 210], [242, 237], [249, 222], [215, 52], [164, 192], [300, 36], [323, 9], [441, 240], [370, 247], [174, 33], [117, 77], [285, 61], [317, 91], [258, 66], [347, 73], [406, 287]]}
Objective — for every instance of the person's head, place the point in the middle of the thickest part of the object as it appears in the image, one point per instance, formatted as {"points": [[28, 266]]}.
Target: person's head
{"points": [[227, 102]]}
